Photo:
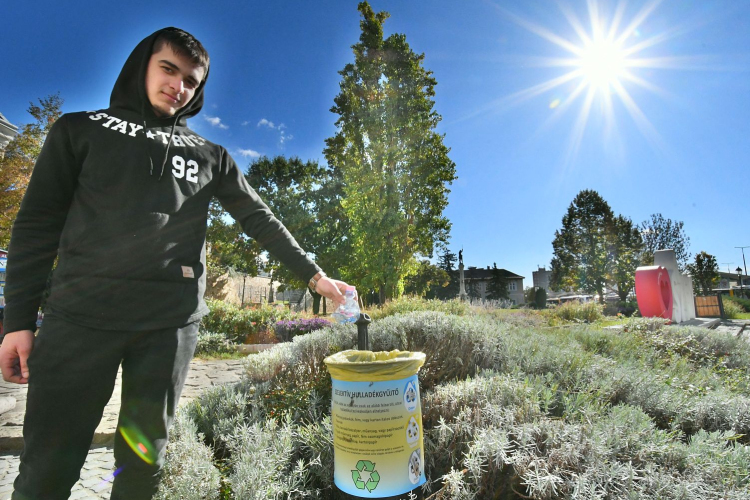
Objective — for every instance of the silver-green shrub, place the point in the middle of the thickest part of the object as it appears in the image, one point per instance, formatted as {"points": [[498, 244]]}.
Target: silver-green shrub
{"points": [[189, 472], [511, 409], [210, 343]]}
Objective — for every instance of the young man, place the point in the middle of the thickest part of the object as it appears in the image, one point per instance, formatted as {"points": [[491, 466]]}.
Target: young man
{"points": [[121, 196]]}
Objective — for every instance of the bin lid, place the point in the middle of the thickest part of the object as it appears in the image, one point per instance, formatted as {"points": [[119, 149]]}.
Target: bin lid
{"points": [[369, 366]]}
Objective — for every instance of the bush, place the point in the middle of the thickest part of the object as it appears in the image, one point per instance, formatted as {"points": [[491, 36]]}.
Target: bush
{"points": [[742, 302], [189, 472], [732, 309], [627, 308], [588, 312], [237, 325], [507, 407], [286, 330], [408, 304], [211, 344]]}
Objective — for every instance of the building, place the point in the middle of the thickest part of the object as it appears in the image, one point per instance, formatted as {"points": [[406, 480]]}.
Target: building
{"points": [[7, 132], [542, 278], [731, 281], [479, 279]]}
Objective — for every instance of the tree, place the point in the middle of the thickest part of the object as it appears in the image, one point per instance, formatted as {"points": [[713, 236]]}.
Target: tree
{"points": [[581, 247], [18, 161], [427, 278], [659, 233], [445, 262], [287, 186], [394, 166], [626, 246], [497, 288], [529, 295], [540, 298], [705, 273]]}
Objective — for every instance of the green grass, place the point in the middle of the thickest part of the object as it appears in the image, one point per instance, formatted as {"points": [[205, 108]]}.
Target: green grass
{"points": [[610, 321]]}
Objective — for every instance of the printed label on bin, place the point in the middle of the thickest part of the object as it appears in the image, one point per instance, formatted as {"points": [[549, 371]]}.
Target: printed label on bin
{"points": [[377, 437]]}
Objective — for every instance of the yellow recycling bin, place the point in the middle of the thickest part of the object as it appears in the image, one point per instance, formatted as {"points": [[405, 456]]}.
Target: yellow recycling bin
{"points": [[377, 424]]}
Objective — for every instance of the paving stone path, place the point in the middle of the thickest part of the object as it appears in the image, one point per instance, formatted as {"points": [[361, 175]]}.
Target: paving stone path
{"points": [[95, 482]]}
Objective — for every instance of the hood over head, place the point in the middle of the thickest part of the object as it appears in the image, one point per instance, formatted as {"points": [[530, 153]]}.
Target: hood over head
{"points": [[130, 88]]}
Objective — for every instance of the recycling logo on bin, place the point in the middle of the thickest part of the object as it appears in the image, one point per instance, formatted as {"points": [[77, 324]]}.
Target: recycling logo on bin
{"points": [[377, 421], [411, 399], [358, 476]]}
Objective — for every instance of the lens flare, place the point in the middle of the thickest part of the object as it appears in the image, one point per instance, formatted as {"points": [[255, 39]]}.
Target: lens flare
{"points": [[138, 443], [108, 479]]}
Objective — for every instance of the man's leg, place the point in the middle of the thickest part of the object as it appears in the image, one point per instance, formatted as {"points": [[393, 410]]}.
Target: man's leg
{"points": [[72, 375], [154, 369]]}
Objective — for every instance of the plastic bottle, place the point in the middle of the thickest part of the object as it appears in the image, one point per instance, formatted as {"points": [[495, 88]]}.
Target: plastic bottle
{"points": [[348, 312]]}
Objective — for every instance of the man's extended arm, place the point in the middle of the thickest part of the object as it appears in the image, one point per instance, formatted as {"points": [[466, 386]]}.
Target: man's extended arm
{"points": [[258, 222]]}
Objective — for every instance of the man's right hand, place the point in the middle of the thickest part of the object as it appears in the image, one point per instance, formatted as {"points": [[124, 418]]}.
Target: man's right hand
{"points": [[14, 355]]}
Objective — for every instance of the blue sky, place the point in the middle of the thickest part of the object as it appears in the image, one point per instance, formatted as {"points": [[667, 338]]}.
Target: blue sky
{"points": [[675, 138]]}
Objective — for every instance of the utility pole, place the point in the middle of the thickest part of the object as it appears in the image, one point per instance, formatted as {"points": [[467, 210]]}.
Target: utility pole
{"points": [[727, 263], [743, 257]]}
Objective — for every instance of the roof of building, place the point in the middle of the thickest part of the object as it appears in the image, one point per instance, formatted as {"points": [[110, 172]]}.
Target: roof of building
{"points": [[474, 273]]}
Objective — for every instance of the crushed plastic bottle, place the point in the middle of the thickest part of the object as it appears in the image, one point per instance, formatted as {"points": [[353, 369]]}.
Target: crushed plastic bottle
{"points": [[349, 311]]}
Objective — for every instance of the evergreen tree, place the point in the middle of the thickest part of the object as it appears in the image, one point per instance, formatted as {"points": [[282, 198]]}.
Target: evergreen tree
{"points": [[626, 247], [445, 262], [394, 167], [18, 158], [581, 247], [705, 273], [540, 298], [497, 288]]}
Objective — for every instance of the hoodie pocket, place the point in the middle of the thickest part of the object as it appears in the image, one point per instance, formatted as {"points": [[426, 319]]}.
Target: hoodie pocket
{"points": [[121, 243]]}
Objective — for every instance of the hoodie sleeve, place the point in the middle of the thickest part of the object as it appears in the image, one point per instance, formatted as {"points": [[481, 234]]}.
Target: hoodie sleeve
{"points": [[36, 231], [258, 222]]}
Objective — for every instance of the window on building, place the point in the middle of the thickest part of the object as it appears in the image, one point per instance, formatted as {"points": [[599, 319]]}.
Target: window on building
{"points": [[512, 286]]}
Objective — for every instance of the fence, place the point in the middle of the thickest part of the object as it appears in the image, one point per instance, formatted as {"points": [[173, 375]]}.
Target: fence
{"points": [[710, 306]]}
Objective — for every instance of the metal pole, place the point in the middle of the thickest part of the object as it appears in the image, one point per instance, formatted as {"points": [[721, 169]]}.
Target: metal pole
{"points": [[743, 257], [363, 340]]}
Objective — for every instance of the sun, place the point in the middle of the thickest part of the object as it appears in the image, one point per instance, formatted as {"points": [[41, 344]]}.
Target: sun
{"points": [[601, 58], [603, 64]]}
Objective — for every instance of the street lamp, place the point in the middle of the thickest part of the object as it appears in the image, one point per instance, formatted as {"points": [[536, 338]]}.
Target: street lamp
{"points": [[739, 280]]}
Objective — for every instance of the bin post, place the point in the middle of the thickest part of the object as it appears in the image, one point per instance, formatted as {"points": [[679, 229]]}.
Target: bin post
{"points": [[363, 340]]}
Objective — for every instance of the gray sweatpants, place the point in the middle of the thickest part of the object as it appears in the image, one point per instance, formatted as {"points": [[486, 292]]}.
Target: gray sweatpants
{"points": [[72, 375]]}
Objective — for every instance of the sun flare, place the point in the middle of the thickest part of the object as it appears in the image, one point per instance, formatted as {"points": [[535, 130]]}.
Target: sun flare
{"points": [[601, 58], [603, 64]]}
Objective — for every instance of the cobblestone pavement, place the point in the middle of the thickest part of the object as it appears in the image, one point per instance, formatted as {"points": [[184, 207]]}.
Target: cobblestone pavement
{"points": [[96, 475]]}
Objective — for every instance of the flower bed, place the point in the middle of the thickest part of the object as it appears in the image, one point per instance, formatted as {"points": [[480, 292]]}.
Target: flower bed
{"points": [[511, 409]]}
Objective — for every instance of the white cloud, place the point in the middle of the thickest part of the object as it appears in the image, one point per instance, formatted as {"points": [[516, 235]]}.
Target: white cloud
{"points": [[215, 121], [266, 123], [248, 153], [283, 136], [245, 123]]}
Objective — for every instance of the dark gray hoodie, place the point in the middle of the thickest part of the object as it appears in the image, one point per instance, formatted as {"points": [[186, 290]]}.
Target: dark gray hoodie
{"points": [[121, 196]]}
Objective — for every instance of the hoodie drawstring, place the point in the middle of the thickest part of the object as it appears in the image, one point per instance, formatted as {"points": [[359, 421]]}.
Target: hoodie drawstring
{"points": [[169, 143]]}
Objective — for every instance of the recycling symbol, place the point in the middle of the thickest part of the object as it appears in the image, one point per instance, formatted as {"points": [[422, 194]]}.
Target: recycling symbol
{"points": [[372, 482]]}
